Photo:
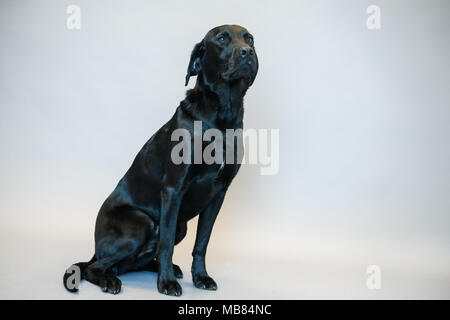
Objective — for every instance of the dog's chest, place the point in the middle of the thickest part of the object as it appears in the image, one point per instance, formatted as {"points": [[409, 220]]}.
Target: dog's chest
{"points": [[204, 188]]}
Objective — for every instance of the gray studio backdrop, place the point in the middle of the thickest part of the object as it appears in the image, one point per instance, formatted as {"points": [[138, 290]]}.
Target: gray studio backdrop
{"points": [[363, 117]]}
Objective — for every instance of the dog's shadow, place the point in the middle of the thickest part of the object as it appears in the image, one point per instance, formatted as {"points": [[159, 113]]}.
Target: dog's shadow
{"points": [[140, 279], [146, 280]]}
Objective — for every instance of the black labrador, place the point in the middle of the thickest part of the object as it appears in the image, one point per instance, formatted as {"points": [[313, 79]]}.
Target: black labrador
{"points": [[147, 213]]}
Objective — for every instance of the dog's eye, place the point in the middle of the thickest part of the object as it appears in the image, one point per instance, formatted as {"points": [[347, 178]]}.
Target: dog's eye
{"points": [[250, 39], [222, 39]]}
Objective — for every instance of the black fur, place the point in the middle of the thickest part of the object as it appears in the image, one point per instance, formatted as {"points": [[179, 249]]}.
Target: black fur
{"points": [[147, 213]]}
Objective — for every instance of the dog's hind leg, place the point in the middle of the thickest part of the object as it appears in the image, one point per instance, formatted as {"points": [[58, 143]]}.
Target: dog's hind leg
{"points": [[98, 273], [121, 235], [110, 253]]}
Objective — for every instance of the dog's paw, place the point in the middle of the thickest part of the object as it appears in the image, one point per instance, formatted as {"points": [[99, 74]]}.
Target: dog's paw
{"points": [[110, 284], [169, 287], [204, 282], [177, 271]]}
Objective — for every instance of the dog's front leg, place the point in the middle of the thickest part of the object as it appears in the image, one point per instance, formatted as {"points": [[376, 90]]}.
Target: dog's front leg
{"points": [[170, 205], [205, 224]]}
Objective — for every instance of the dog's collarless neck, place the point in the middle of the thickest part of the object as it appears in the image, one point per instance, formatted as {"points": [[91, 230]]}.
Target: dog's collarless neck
{"points": [[221, 107]]}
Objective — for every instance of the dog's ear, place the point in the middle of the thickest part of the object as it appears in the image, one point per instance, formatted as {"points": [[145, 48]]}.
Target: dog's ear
{"points": [[194, 66]]}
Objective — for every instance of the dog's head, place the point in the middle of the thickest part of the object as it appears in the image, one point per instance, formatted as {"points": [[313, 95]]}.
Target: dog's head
{"points": [[225, 54]]}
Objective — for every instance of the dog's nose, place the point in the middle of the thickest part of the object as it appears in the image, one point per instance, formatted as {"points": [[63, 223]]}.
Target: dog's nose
{"points": [[246, 52]]}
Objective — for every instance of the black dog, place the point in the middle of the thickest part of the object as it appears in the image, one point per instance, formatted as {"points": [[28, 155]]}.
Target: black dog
{"points": [[147, 213]]}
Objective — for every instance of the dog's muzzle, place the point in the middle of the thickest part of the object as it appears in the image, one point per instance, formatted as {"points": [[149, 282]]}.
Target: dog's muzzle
{"points": [[241, 65]]}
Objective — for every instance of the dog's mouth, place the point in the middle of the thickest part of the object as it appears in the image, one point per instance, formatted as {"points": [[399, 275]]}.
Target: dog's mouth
{"points": [[245, 69]]}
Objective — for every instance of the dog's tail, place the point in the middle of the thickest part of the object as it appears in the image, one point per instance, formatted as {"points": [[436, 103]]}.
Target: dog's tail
{"points": [[69, 284]]}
